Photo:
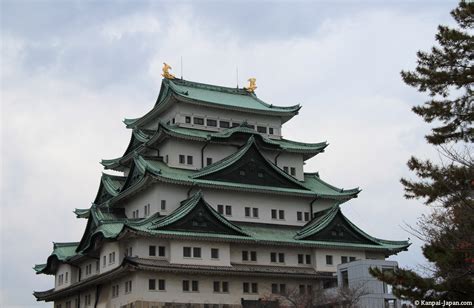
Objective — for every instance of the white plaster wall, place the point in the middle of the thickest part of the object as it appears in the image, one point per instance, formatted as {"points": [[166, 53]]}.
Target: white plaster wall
{"points": [[173, 148], [265, 203], [176, 253], [140, 247], [83, 266], [62, 270], [263, 255], [107, 248], [320, 255]]}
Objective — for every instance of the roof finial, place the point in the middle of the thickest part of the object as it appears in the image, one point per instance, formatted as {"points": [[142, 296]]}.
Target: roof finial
{"points": [[166, 72], [252, 85]]}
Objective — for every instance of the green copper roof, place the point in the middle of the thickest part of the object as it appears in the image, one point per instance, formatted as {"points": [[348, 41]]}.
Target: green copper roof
{"points": [[61, 252], [211, 95], [82, 213], [152, 137]]}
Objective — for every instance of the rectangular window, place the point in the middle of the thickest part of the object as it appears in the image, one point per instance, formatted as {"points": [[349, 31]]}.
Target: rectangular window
{"points": [[161, 284], [281, 257], [245, 287], [308, 259], [255, 212], [67, 275], [245, 255], [217, 286], [262, 129], [68, 304], [187, 119], [209, 161], [274, 214], [128, 286], [274, 288], [212, 123], [299, 216], [152, 284], [152, 251], [302, 289], [235, 124], [224, 124], [251, 126], [195, 286], [293, 171], [329, 260], [225, 286], [147, 210], [282, 288], [228, 210], [352, 259], [273, 257], [270, 130], [281, 214], [214, 253], [163, 205], [196, 252], [182, 159], [104, 261], [300, 259], [186, 285], [220, 208], [343, 259], [247, 212], [253, 256], [97, 263], [254, 287], [306, 216], [187, 252], [285, 168], [161, 251], [190, 160], [198, 121]]}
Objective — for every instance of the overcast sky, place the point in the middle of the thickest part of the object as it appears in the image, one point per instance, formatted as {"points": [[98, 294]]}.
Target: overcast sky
{"points": [[72, 70]]}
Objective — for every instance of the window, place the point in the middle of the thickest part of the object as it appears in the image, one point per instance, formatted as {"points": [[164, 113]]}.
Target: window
{"points": [[166, 158], [285, 168], [147, 210], [186, 285], [97, 263], [245, 255], [212, 123], [190, 160], [68, 304], [196, 252], [128, 286], [209, 161], [225, 286], [161, 284], [273, 257], [224, 124], [221, 286], [274, 214], [247, 212], [217, 286], [67, 274], [253, 256], [255, 212], [329, 260], [302, 289], [282, 288], [306, 216], [281, 214], [281, 257], [293, 171], [161, 251], [195, 285], [104, 260], [300, 259], [187, 119], [214, 253], [345, 279], [220, 208], [308, 259], [182, 159], [270, 130], [87, 299], [115, 290], [152, 284], [187, 252], [235, 124], [352, 259], [251, 126], [299, 216], [250, 287], [228, 210], [112, 257], [128, 251], [274, 288], [343, 259], [152, 251], [249, 255], [198, 121], [262, 129], [163, 205]]}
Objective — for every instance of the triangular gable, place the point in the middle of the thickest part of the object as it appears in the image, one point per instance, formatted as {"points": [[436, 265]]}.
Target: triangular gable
{"points": [[196, 215], [248, 166], [110, 186], [332, 226]]}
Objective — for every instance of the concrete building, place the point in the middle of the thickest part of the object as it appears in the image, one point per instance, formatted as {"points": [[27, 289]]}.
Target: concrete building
{"points": [[212, 207]]}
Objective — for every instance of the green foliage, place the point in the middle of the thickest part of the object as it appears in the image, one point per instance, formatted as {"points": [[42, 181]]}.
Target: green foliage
{"points": [[446, 73]]}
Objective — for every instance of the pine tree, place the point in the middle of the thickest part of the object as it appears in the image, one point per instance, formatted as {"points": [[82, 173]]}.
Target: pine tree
{"points": [[446, 73]]}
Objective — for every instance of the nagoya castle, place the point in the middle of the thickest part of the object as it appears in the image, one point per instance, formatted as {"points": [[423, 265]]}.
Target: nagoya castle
{"points": [[212, 208]]}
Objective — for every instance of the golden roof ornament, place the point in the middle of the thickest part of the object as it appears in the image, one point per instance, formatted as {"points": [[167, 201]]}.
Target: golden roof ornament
{"points": [[252, 85], [166, 73]]}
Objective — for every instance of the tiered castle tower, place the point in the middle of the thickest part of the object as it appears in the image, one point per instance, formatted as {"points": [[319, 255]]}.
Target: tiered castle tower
{"points": [[213, 207]]}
